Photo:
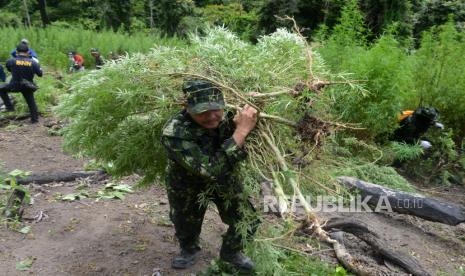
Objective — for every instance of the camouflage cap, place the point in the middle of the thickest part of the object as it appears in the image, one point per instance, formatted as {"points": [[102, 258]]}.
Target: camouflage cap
{"points": [[202, 96]]}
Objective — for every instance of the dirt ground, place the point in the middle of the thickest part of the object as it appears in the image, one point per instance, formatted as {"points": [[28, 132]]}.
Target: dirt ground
{"points": [[28, 147], [135, 237], [110, 237]]}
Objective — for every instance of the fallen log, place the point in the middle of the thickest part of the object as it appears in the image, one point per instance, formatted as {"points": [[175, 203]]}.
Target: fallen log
{"points": [[407, 203], [362, 231], [58, 177]]}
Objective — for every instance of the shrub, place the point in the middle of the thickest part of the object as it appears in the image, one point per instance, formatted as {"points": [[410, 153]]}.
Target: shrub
{"points": [[234, 17], [439, 78], [384, 70]]}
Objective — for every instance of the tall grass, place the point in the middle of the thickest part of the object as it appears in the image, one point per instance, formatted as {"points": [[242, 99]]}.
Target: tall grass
{"points": [[53, 43], [396, 78], [439, 75]]}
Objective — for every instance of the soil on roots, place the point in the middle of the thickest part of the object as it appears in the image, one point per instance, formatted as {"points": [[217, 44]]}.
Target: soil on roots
{"points": [[312, 129]]}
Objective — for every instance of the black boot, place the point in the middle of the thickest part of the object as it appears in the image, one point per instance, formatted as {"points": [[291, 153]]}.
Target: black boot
{"points": [[11, 109], [186, 258], [240, 261]]}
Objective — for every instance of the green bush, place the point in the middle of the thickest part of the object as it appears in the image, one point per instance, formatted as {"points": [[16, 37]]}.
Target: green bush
{"points": [[234, 17], [438, 76], [384, 72], [9, 19], [395, 79], [383, 69], [404, 152], [440, 165]]}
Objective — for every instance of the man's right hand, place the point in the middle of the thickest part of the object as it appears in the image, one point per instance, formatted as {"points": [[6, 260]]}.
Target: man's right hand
{"points": [[245, 121]]}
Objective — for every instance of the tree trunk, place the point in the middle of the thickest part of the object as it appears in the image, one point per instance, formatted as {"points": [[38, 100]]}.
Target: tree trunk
{"points": [[151, 14], [28, 18], [43, 12]]}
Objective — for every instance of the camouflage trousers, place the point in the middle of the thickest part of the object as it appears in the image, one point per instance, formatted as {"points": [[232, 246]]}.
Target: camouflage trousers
{"points": [[187, 212]]}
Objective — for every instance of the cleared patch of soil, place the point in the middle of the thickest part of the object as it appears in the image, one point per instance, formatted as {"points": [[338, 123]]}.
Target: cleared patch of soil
{"points": [[28, 147], [111, 237], [133, 236]]}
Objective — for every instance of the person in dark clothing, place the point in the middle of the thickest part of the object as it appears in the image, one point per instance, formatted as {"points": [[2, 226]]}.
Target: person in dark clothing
{"points": [[22, 68], [414, 124], [2, 74], [31, 53], [204, 147], [98, 58]]}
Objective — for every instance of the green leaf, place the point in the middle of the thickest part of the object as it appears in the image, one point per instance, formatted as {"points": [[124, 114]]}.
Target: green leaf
{"points": [[340, 271], [123, 187], [70, 197], [110, 185], [118, 195], [5, 187], [25, 230], [20, 173], [25, 264], [78, 196], [106, 197], [83, 194]]}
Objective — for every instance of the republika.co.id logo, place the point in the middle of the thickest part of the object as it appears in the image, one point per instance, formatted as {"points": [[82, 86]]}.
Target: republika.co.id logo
{"points": [[328, 204]]}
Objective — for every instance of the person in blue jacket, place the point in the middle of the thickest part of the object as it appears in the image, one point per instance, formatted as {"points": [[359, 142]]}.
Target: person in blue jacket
{"points": [[23, 68], [31, 53]]}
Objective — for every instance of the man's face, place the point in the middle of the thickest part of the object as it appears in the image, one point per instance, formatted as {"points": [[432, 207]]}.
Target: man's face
{"points": [[209, 119]]}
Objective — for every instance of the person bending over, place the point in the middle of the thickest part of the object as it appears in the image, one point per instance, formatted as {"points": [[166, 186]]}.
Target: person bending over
{"points": [[205, 145]]}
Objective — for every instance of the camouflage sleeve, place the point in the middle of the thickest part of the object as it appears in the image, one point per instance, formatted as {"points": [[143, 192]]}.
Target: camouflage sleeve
{"points": [[209, 166]]}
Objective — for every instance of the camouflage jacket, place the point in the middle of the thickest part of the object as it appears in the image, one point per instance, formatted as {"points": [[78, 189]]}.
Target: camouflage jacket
{"points": [[197, 154]]}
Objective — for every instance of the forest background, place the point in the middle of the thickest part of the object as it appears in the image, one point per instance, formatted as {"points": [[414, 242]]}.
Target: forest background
{"points": [[248, 18]]}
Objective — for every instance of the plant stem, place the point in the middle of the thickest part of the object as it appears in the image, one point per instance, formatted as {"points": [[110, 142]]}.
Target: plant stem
{"points": [[310, 215], [268, 116]]}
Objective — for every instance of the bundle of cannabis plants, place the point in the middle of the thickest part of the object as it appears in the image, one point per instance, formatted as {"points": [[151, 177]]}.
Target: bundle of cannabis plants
{"points": [[116, 114]]}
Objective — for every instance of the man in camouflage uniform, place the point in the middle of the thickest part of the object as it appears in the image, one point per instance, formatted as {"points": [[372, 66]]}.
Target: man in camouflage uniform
{"points": [[204, 146]]}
